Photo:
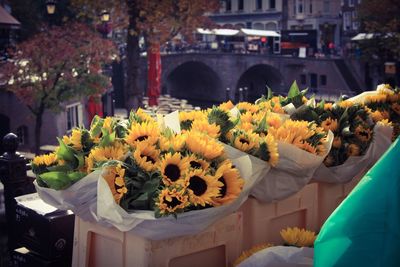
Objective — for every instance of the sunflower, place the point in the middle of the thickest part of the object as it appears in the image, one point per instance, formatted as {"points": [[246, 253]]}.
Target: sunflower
{"points": [[330, 124], [298, 237], [270, 146], [117, 151], [292, 132], [191, 115], [108, 124], [274, 120], [173, 169], [232, 183], [353, 150], [246, 141], [172, 200], [74, 140], [337, 142], [328, 106], [175, 142], [203, 145], [247, 107], [46, 159], [198, 163], [202, 188], [226, 106], [246, 117], [363, 134], [379, 115], [146, 156], [143, 115], [114, 176], [212, 130], [307, 147], [245, 126], [142, 132], [247, 253], [378, 98]]}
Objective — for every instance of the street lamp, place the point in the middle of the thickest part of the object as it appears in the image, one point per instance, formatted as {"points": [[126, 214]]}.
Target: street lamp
{"points": [[105, 16], [51, 6]]}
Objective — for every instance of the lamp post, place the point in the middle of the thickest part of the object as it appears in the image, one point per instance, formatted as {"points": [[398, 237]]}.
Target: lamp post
{"points": [[51, 9], [105, 18]]}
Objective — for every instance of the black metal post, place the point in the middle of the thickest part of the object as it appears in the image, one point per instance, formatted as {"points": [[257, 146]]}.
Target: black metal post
{"points": [[16, 183]]}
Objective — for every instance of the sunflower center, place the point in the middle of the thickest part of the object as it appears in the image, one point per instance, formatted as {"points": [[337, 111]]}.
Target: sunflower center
{"points": [[224, 186], [142, 138], [364, 134], [172, 172], [172, 204], [198, 185], [195, 164], [244, 141], [148, 158]]}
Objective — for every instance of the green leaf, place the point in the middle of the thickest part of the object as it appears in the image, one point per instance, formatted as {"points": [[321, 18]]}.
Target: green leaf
{"points": [[56, 180], [321, 104], [81, 160], [60, 168], [65, 152], [294, 90], [95, 126], [107, 138], [269, 93], [76, 176], [263, 126]]}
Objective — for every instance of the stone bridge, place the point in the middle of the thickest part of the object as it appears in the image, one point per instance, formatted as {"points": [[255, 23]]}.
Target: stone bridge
{"points": [[205, 77]]}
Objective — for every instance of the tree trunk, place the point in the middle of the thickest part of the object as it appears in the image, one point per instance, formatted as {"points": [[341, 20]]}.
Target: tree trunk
{"points": [[134, 94], [38, 129]]}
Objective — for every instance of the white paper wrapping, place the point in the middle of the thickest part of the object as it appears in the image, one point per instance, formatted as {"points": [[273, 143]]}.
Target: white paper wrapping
{"points": [[293, 171], [280, 256], [80, 197], [354, 165], [145, 224]]}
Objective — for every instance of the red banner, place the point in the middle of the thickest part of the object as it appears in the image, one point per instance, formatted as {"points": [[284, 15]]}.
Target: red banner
{"points": [[94, 107], [153, 74]]}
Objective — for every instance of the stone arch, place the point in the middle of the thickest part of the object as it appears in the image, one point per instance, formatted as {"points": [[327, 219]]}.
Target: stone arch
{"points": [[195, 81], [271, 26], [258, 26], [240, 26], [255, 79]]}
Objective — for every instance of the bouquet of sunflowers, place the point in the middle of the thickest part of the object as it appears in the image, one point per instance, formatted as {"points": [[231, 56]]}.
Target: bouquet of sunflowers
{"points": [[134, 175]]}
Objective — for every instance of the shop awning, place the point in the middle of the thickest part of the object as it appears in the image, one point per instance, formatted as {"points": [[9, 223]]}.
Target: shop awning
{"points": [[253, 32], [8, 21], [362, 36], [226, 32]]}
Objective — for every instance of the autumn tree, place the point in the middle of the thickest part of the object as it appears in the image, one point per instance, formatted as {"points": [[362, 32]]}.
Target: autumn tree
{"points": [[156, 20], [57, 65], [380, 17]]}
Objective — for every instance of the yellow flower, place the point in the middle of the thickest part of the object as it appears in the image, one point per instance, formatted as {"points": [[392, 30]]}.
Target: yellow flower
{"points": [[245, 126], [198, 163], [274, 120], [298, 237], [74, 140], [173, 169], [203, 145], [202, 188], [330, 124], [143, 115], [46, 159], [247, 253], [379, 115], [337, 142], [247, 106], [212, 130], [226, 106], [146, 156], [385, 122], [114, 176], [308, 147], [246, 141], [175, 142], [246, 117], [378, 98], [353, 150], [272, 146], [363, 134], [172, 200], [232, 183], [117, 151], [345, 104], [328, 106], [108, 124], [147, 132], [191, 115]]}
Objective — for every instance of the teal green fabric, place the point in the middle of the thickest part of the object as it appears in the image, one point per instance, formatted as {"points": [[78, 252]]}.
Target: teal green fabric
{"points": [[365, 229]]}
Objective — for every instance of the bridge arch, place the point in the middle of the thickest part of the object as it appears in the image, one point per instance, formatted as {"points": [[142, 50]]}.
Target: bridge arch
{"points": [[255, 79], [202, 81]]}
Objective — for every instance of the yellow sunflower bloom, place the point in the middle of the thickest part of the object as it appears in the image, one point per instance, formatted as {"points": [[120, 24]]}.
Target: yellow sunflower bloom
{"points": [[192, 115], [74, 140], [273, 149], [308, 147], [379, 115], [247, 106], [172, 200], [378, 98], [117, 151], [298, 237], [246, 117], [353, 150], [247, 253], [330, 124], [363, 134], [46, 159], [212, 130], [345, 104], [198, 163], [203, 145], [202, 188], [146, 156], [175, 142], [226, 106], [147, 132], [245, 126], [246, 141], [173, 169], [114, 176], [108, 124], [328, 106], [232, 183], [274, 120], [143, 115]]}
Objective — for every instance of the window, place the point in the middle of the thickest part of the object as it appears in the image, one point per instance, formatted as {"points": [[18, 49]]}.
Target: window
{"points": [[22, 133], [259, 4], [303, 79], [310, 10], [355, 23], [74, 116], [294, 8], [326, 6], [272, 4], [322, 79], [228, 5], [313, 80], [351, 2], [240, 5], [346, 21], [300, 7]]}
